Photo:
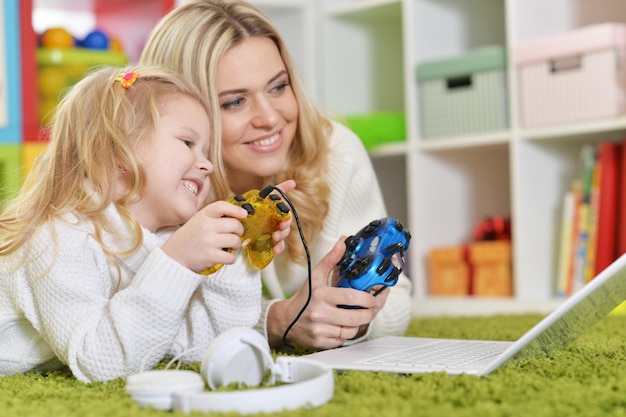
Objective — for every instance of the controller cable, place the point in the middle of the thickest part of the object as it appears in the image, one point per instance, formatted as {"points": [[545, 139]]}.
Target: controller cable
{"points": [[263, 193]]}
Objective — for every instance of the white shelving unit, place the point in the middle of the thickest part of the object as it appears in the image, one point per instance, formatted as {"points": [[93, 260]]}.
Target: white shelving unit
{"points": [[464, 178], [356, 56], [441, 187]]}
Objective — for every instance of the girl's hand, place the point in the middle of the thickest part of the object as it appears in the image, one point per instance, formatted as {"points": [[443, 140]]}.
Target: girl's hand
{"points": [[323, 325], [202, 241]]}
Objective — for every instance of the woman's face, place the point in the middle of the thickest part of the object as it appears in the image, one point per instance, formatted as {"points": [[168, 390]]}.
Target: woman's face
{"points": [[259, 112]]}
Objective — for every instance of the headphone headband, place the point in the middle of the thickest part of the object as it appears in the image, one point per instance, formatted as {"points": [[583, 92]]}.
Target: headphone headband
{"points": [[312, 385], [239, 355]]}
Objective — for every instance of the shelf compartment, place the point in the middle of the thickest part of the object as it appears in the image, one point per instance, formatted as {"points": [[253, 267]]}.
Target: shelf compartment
{"points": [[364, 71], [453, 191]]}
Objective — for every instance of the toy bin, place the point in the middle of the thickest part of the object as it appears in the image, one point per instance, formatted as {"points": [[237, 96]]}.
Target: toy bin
{"points": [[464, 95], [572, 76], [60, 68], [378, 128]]}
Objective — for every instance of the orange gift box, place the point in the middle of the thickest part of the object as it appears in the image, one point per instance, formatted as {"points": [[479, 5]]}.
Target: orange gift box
{"points": [[449, 272], [491, 268]]}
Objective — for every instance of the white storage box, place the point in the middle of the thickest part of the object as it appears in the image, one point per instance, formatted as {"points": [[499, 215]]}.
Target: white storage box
{"points": [[464, 95], [573, 76]]}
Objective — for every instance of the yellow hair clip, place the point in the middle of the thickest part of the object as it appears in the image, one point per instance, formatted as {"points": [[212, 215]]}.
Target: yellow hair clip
{"points": [[127, 79]]}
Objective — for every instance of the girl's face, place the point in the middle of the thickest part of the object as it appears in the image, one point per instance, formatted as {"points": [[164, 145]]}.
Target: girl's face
{"points": [[176, 165], [259, 112]]}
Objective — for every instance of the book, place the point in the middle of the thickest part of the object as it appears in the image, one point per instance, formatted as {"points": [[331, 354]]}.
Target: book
{"points": [[621, 204], [566, 241], [581, 244], [609, 159], [592, 222], [577, 192]]}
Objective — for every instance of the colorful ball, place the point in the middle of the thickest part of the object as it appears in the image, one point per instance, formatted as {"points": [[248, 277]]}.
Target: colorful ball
{"points": [[57, 38], [96, 39], [115, 45]]}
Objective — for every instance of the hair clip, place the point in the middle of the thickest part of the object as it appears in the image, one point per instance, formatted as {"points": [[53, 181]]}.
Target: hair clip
{"points": [[127, 79]]}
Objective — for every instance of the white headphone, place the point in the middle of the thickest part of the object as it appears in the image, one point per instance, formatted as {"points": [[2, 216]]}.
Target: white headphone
{"points": [[238, 355]]}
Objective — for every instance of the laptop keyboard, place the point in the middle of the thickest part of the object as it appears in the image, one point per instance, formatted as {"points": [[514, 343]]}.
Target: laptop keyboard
{"points": [[449, 354]]}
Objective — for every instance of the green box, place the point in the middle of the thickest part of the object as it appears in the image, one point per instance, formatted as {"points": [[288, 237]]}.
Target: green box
{"points": [[464, 95], [378, 128]]}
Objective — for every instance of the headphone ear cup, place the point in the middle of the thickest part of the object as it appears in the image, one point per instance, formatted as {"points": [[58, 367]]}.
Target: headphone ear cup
{"points": [[240, 355], [155, 388]]}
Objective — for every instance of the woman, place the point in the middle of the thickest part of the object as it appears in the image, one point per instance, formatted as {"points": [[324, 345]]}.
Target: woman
{"points": [[271, 132]]}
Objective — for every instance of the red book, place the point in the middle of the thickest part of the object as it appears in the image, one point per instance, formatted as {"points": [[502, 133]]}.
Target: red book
{"points": [[621, 205], [610, 155]]}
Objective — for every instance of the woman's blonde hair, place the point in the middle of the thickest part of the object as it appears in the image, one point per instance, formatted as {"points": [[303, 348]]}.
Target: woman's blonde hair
{"points": [[93, 136], [192, 39]]}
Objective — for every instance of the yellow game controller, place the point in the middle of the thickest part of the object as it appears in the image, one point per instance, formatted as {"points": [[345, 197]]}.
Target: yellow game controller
{"points": [[265, 212]]}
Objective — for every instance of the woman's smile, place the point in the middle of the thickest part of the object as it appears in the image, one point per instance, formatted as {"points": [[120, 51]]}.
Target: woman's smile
{"points": [[267, 143]]}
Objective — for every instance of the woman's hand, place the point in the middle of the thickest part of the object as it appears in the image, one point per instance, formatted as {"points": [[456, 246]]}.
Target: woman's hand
{"points": [[284, 227], [206, 238], [323, 325]]}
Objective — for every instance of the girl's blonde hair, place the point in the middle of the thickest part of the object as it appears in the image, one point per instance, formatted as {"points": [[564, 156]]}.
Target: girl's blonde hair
{"points": [[192, 39], [93, 136]]}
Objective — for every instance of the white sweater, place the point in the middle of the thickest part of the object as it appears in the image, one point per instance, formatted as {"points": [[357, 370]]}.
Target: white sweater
{"points": [[355, 200], [67, 306]]}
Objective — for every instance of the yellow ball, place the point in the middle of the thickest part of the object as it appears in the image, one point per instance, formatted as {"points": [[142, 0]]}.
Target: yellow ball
{"points": [[115, 45], [57, 38]]}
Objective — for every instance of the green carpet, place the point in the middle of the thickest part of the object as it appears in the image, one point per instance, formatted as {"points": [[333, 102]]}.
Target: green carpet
{"points": [[588, 378]]}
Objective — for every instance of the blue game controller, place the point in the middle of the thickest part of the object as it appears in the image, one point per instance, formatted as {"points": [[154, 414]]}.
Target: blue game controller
{"points": [[368, 260]]}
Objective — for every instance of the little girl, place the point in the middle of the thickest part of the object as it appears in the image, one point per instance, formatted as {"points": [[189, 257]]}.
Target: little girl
{"points": [[101, 251]]}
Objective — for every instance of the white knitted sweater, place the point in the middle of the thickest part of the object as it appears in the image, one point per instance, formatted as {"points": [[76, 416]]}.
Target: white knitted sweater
{"points": [[355, 200], [66, 305]]}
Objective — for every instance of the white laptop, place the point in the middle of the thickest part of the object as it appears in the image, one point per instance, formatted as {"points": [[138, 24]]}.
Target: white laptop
{"points": [[480, 357]]}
